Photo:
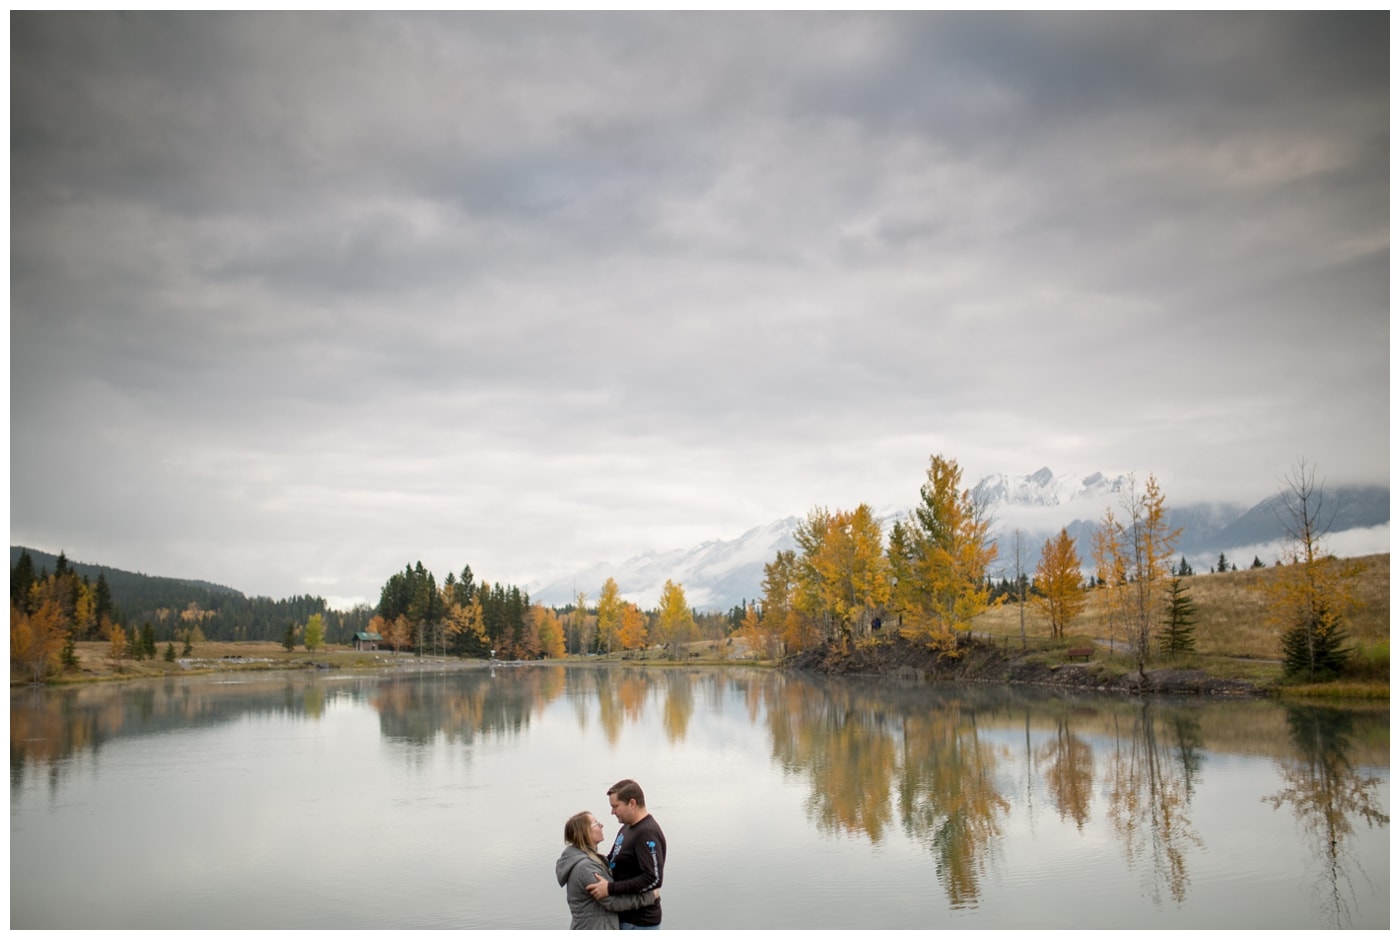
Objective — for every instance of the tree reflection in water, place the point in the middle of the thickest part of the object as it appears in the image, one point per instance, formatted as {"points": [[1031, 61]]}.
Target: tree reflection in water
{"points": [[948, 798], [1326, 793], [1149, 795], [952, 770], [1069, 775]]}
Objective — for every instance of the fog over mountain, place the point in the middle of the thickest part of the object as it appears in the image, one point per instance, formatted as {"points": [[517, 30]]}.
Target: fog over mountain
{"points": [[721, 574]]}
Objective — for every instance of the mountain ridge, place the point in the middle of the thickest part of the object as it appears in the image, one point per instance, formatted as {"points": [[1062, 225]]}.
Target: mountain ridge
{"points": [[720, 575]]}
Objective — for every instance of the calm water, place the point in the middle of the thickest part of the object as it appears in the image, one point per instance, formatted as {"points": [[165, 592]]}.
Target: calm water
{"points": [[437, 800]]}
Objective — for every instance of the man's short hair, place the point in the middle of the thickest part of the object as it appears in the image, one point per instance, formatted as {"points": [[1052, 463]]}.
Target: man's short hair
{"points": [[626, 791]]}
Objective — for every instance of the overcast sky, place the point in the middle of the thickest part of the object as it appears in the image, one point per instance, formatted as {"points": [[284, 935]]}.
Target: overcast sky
{"points": [[297, 300]]}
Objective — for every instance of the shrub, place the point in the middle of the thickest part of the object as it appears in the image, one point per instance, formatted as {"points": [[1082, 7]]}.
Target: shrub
{"points": [[1369, 661]]}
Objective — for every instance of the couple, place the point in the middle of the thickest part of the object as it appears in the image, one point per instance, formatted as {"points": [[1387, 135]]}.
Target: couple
{"points": [[625, 890]]}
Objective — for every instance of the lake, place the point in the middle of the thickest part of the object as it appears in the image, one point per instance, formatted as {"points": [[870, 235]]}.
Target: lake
{"points": [[436, 797]]}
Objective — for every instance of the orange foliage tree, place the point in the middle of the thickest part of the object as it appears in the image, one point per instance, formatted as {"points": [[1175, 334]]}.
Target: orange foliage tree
{"points": [[1059, 594]]}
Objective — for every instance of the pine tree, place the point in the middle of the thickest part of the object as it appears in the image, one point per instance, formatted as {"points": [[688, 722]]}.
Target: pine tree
{"points": [[1315, 648], [22, 579], [1178, 633]]}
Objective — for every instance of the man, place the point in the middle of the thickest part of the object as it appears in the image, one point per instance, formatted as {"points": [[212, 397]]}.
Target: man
{"points": [[637, 858]]}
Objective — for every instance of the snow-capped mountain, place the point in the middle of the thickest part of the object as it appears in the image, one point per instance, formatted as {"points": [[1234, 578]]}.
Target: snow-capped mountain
{"points": [[1046, 488], [716, 575], [720, 575]]}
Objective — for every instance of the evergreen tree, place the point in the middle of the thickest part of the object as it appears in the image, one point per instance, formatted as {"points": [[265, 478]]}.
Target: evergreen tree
{"points": [[133, 645], [68, 658], [289, 640], [102, 598], [1178, 633], [22, 579], [1257, 563], [1184, 570], [1315, 648], [1313, 592], [1222, 566], [170, 652], [148, 640]]}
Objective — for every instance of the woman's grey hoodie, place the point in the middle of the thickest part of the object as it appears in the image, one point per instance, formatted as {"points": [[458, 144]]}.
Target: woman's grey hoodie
{"points": [[575, 870]]}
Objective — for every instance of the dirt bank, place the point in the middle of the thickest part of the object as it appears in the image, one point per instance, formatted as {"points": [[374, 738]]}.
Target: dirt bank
{"points": [[981, 661]]}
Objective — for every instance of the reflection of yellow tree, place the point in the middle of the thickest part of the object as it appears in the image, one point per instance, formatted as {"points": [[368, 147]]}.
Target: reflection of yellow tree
{"points": [[1149, 796], [1327, 793], [842, 749], [313, 701], [1070, 776], [854, 766], [948, 797], [680, 705]]}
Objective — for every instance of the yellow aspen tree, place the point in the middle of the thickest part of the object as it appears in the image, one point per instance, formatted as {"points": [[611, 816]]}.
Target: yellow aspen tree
{"points": [[377, 625], [314, 636], [36, 640], [811, 599], [940, 555], [869, 581], [466, 620], [85, 611], [844, 558], [580, 622], [632, 628], [750, 635], [548, 631], [779, 588], [1060, 596], [116, 642], [609, 615], [675, 624], [400, 632]]}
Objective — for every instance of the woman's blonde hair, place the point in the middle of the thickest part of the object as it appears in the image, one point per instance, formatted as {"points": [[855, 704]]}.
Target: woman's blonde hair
{"points": [[578, 831]]}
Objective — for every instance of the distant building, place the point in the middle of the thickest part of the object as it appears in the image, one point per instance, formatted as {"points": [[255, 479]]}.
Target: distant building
{"points": [[367, 641]]}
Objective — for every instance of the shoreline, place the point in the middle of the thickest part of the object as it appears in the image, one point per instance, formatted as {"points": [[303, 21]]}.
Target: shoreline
{"points": [[984, 661]]}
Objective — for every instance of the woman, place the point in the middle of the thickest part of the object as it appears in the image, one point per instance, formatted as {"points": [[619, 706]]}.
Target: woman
{"points": [[578, 867]]}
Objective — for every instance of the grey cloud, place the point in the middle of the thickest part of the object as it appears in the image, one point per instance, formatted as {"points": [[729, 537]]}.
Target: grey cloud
{"points": [[587, 276]]}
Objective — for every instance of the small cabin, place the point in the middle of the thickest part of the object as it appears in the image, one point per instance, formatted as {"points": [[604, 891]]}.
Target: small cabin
{"points": [[365, 640]]}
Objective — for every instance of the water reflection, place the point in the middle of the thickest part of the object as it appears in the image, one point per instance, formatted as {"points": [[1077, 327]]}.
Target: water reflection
{"points": [[1150, 775], [49, 726], [944, 768], [1328, 792], [462, 706]]}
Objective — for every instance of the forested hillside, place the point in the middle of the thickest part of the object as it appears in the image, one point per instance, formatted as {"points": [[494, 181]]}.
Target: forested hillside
{"points": [[173, 604]]}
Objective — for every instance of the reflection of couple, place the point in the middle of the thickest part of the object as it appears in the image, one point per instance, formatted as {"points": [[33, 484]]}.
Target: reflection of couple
{"points": [[623, 891]]}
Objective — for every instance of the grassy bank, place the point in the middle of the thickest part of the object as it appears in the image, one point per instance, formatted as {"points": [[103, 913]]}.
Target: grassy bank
{"points": [[1233, 638], [95, 664]]}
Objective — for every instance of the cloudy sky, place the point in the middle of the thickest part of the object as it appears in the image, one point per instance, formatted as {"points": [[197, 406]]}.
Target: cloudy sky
{"points": [[297, 300]]}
